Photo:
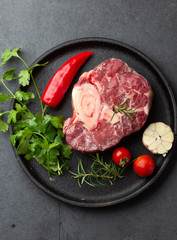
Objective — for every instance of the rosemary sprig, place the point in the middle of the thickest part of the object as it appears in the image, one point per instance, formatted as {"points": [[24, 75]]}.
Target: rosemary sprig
{"points": [[100, 171], [122, 108]]}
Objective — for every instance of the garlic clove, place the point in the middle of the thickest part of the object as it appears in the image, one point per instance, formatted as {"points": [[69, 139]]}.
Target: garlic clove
{"points": [[148, 139], [161, 149], [153, 146], [167, 145], [162, 128], [168, 137]]}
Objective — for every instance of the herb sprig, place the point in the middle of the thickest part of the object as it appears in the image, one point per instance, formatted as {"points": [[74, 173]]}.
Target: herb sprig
{"points": [[122, 108], [100, 172], [36, 136], [24, 75]]}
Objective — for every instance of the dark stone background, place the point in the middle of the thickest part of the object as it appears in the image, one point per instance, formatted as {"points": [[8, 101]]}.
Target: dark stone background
{"points": [[25, 211]]}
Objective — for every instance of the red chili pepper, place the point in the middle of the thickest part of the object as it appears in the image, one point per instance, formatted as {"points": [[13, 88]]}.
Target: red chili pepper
{"points": [[61, 80]]}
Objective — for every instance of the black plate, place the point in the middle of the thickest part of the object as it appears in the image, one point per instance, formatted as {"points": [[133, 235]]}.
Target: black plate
{"points": [[64, 187]]}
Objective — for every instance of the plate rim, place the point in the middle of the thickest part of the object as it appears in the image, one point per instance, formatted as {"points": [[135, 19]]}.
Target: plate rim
{"points": [[154, 178]]}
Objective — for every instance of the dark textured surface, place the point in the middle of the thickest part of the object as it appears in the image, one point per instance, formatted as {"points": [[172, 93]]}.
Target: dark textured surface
{"points": [[25, 211]]}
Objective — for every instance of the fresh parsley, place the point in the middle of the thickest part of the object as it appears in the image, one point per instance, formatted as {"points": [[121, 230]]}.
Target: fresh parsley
{"points": [[4, 97], [36, 136], [8, 54]]}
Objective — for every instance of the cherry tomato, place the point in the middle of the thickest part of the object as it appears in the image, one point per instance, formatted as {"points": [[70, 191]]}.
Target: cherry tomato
{"points": [[121, 156], [144, 166]]}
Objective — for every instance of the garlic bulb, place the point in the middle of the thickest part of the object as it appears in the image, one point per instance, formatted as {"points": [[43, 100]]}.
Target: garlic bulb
{"points": [[158, 138]]}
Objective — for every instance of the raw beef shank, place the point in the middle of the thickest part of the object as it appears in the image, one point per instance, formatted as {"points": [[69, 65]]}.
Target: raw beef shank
{"points": [[94, 97]]}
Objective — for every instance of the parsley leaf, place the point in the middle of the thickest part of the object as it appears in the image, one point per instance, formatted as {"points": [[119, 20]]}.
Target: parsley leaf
{"points": [[19, 107], [39, 154], [16, 137], [50, 133], [21, 124], [53, 145], [24, 142], [37, 65], [58, 139], [9, 75], [37, 124], [12, 117], [21, 95], [4, 97], [24, 77], [8, 54], [19, 117], [57, 121], [53, 159], [66, 151], [14, 51], [60, 133], [3, 126]]}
